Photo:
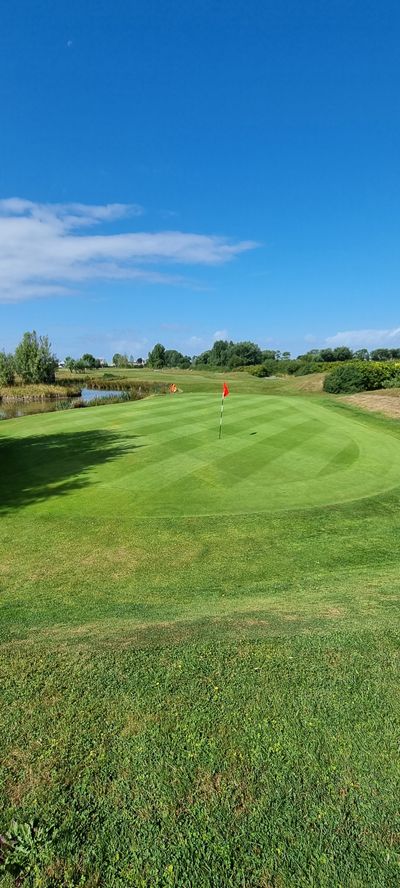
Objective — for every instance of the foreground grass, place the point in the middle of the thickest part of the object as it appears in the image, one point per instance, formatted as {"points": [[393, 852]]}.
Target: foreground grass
{"points": [[195, 701], [200, 761]]}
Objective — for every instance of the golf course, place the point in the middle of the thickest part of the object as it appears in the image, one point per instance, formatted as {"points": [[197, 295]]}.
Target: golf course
{"points": [[199, 641]]}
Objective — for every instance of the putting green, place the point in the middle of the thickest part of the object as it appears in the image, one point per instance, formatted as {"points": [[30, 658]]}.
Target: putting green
{"points": [[163, 457]]}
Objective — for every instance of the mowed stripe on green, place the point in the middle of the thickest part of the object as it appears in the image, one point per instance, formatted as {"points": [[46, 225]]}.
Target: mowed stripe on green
{"points": [[274, 454]]}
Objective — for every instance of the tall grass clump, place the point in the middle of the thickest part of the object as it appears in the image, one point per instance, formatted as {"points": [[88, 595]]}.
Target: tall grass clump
{"points": [[108, 399], [38, 392]]}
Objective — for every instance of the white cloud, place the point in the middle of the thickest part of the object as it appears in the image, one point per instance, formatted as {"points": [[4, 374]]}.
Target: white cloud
{"points": [[196, 340], [220, 334], [360, 338], [44, 249]]}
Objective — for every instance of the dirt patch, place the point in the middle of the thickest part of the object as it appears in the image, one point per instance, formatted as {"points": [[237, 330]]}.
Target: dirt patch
{"points": [[378, 402]]}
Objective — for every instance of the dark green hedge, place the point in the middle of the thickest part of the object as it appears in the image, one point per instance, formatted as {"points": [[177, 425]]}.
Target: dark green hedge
{"points": [[360, 376]]}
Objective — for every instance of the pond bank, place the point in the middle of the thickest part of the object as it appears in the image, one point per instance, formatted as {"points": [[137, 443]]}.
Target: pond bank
{"points": [[23, 401]]}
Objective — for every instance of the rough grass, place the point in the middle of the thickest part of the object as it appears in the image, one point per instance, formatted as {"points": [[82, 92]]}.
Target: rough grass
{"points": [[208, 700], [36, 392], [386, 401]]}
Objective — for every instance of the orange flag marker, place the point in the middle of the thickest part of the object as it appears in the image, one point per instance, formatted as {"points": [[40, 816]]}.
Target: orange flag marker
{"points": [[225, 392]]}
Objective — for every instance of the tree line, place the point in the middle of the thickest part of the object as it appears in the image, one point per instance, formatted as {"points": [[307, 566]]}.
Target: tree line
{"points": [[34, 362], [228, 355]]}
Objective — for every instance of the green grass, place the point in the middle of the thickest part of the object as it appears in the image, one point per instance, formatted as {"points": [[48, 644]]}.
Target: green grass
{"points": [[199, 381], [200, 642]]}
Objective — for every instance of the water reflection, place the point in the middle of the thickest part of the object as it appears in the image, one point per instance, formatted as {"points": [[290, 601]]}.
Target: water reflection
{"points": [[11, 410]]}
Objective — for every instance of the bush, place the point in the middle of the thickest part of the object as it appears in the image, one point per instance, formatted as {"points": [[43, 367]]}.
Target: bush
{"points": [[260, 370], [360, 376], [345, 379], [392, 383], [305, 368]]}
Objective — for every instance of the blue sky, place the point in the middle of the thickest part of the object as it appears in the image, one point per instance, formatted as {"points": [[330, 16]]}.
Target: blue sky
{"points": [[175, 171]]}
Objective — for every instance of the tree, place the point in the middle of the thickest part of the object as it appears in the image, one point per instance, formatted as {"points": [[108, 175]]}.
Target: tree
{"points": [[34, 361], [361, 355], [156, 357], [7, 370], [312, 355], [70, 363], [269, 354], [204, 358], [244, 354], [220, 352], [90, 361], [327, 355], [342, 353], [120, 360], [175, 358], [381, 354]]}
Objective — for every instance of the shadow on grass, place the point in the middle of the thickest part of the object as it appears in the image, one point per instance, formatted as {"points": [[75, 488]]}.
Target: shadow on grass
{"points": [[41, 466]]}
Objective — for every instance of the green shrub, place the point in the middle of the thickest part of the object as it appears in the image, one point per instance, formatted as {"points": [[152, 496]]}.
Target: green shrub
{"points": [[306, 367], [360, 376], [260, 370], [392, 383], [345, 379]]}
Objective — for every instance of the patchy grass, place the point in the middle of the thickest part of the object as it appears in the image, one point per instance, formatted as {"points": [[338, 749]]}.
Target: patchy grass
{"points": [[200, 682]]}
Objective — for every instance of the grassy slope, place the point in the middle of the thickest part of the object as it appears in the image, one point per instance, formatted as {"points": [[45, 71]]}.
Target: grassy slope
{"points": [[209, 700], [207, 381]]}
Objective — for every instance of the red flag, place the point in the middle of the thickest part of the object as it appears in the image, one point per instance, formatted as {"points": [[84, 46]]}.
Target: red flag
{"points": [[225, 390]]}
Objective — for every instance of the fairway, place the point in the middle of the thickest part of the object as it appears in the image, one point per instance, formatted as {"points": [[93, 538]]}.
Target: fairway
{"points": [[162, 456], [198, 643]]}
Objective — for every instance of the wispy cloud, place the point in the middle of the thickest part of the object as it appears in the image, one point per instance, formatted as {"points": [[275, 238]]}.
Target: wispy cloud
{"points": [[220, 334], [196, 341], [368, 337], [46, 249]]}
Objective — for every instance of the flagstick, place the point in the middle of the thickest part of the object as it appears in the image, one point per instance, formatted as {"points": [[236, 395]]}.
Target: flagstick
{"points": [[220, 418]]}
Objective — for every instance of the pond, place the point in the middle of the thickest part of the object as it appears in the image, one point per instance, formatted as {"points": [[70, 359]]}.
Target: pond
{"points": [[13, 409]]}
